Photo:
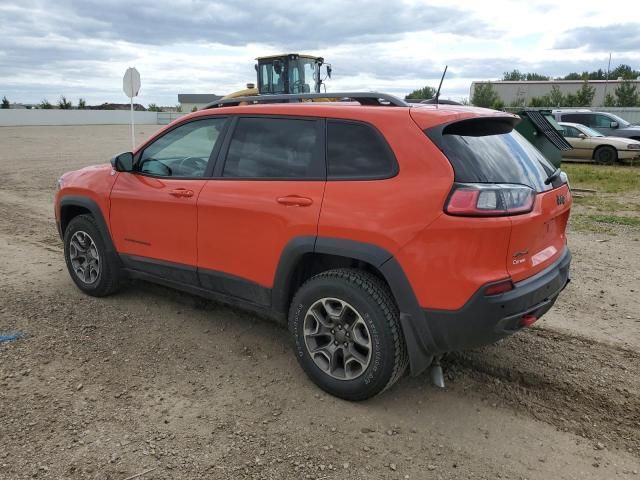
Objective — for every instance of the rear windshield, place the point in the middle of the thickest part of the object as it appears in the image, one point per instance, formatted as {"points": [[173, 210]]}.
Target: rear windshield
{"points": [[485, 150]]}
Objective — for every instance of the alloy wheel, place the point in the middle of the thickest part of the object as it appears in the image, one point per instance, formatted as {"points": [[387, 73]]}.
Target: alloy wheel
{"points": [[84, 257], [337, 338]]}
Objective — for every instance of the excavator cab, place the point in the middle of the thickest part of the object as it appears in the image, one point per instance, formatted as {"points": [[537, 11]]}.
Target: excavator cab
{"points": [[290, 73]]}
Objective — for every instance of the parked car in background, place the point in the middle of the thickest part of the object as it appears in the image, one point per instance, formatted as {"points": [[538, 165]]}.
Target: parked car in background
{"points": [[589, 144], [604, 122]]}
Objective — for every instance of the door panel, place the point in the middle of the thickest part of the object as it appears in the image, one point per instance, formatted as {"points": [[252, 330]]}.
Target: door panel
{"points": [[584, 147], [154, 209], [243, 225], [269, 190], [155, 217]]}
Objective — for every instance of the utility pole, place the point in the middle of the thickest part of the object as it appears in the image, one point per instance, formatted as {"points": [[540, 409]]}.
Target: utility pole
{"points": [[606, 82]]}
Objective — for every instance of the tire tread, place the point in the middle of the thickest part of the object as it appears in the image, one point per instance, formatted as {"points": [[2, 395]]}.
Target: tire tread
{"points": [[379, 292]]}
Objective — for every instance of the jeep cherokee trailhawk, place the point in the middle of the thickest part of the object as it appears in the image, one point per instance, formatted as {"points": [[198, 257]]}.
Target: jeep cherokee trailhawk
{"points": [[384, 234]]}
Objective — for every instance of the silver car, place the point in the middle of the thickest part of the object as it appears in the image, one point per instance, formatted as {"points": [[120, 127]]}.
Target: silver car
{"points": [[604, 122]]}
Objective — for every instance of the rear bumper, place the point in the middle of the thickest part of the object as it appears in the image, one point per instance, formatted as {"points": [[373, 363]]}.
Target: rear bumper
{"points": [[483, 320]]}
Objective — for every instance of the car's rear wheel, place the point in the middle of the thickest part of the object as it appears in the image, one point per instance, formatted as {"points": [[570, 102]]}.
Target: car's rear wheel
{"points": [[92, 269], [605, 155], [347, 333]]}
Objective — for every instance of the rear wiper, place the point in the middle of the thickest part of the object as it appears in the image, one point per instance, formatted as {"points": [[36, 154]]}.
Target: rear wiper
{"points": [[556, 173]]}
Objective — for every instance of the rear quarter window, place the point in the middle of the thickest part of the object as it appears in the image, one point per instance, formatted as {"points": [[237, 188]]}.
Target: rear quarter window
{"points": [[358, 151]]}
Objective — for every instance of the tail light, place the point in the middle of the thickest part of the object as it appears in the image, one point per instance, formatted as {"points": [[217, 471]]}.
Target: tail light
{"points": [[499, 287], [489, 199]]}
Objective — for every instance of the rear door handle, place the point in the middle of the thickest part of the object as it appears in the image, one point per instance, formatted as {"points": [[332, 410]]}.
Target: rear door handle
{"points": [[181, 192], [295, 201]]}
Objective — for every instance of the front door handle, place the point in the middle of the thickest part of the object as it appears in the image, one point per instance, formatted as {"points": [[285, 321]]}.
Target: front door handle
{"points": [[181, 192], [295, 201]]}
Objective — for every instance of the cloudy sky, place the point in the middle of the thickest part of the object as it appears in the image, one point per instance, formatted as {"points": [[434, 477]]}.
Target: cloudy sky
{"points": [[81, 48]]}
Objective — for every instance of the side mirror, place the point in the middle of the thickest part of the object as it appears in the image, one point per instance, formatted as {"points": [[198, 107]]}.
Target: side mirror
{"points": [[329, 71], [122, 162], [613, 125], [582, 135]]}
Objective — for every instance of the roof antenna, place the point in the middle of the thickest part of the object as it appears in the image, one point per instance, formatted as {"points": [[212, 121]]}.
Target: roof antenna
{"points": [[440, 86]]}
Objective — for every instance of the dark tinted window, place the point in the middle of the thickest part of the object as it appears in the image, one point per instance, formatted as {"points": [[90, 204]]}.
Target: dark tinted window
{"points": [[582, 118], [484, 151], [356, 150], [274, 148]]}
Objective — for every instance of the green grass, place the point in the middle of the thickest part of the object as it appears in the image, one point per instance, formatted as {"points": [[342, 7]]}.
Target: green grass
{"points": [[602, 223], [615, 220], [609, 179], [607, 203]]}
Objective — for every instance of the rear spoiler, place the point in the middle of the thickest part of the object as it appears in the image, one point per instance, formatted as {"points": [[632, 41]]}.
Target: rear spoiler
{"points": [[479, 126]]}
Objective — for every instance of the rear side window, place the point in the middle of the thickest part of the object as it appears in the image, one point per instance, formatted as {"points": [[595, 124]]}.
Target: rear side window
{"points": [[275, 148], [486, 150], [582, 118], [357, 151]]}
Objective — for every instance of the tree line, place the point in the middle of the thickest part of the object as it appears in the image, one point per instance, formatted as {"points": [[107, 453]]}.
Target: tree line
{"points": [[66, 104], [63, 104], [621, 71]]}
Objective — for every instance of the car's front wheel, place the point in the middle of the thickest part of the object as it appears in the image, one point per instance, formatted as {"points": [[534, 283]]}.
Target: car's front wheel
{"points": [[606, 155], [92, 269], [347, 333]]}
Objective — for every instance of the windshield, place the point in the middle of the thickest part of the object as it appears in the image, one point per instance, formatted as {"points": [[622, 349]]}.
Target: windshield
{"points": [[590, 132], [303, 73], [621, 121]]}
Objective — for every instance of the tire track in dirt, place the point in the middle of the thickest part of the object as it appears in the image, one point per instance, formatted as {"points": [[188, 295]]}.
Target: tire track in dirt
{"points": [[26, 224], [576, 384]]}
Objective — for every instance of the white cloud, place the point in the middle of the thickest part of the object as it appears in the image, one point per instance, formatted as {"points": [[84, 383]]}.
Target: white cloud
{"points": [[81, 48]]}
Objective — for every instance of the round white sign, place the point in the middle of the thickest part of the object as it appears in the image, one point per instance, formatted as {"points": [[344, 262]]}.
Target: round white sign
{"points": [[131, 82]]}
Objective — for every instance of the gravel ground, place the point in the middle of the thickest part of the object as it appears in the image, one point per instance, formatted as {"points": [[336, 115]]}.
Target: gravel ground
{"points": [[154, 379]]}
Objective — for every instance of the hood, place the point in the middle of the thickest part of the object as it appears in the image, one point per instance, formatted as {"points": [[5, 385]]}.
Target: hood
{"points": [[86, 171], [618, 141]]}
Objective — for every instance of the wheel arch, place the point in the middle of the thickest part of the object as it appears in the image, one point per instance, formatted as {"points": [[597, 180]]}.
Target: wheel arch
{"points": [[304, 257], [73, 205]]}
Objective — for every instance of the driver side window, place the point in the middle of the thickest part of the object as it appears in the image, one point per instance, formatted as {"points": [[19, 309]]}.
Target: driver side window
{"points": [[571, 132], [184, 151], [602, 121]]}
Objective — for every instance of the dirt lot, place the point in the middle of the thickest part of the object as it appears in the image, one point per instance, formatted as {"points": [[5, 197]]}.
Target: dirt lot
{"points": [[153, 379]]}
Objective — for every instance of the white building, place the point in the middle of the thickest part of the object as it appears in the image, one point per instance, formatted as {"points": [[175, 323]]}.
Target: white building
{"points": [[511, 92], [198, 100]]}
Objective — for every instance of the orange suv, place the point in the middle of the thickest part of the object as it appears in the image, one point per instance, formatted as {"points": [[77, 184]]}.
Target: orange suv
{"points": [[385, 234]]}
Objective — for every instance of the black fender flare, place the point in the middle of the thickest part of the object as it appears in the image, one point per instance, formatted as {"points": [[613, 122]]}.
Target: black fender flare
{"points": [[96, 212], [388, 266]]}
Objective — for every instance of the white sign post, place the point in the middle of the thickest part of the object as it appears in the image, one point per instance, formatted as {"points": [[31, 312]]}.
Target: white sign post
{"points": [[131, 87]]}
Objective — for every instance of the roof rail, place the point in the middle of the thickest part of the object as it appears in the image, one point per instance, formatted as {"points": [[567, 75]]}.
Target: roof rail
{"points": [[364, 98]]}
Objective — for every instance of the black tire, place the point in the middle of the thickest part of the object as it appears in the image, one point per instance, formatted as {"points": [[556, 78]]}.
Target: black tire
{"points": [[605, 155], [372, 301], [107, 280]]}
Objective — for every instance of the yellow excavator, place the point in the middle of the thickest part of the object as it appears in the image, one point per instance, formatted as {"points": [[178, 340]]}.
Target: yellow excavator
{"points": [[285, 74]]}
